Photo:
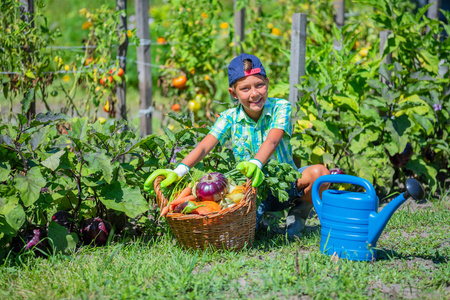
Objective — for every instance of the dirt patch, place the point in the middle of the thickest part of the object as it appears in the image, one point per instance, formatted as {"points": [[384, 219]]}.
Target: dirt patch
{"points": [[416, 262], [394, 291]]}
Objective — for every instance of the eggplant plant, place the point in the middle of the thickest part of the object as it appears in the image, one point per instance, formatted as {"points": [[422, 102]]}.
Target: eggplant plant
{"points": [[56, 164]]}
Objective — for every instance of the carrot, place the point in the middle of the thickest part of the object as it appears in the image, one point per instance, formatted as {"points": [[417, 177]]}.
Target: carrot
{"points": [[184, 193], [164, 211], [181, 200]]}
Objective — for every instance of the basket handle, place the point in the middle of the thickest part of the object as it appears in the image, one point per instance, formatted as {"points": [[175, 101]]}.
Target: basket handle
{"points": [[162, 201], [250, 192]]}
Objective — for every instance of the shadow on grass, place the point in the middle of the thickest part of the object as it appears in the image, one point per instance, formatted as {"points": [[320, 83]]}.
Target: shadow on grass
{"points": [[276, 238], [389, 254]]}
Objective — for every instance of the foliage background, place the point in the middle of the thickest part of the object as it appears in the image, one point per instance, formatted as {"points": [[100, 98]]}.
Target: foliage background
{"points": [[356, 113]]}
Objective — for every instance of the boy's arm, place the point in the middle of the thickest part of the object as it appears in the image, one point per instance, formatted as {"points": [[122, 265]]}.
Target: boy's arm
{"points": [[199, 152], [269, 146], [196, 155]]}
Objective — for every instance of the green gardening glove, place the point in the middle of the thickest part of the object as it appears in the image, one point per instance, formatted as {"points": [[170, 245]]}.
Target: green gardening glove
{"points": [[170, 175], [250, 169]]}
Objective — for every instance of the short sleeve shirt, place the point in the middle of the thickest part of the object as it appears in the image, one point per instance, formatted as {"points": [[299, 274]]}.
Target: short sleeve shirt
{"points": [[247, 135]]}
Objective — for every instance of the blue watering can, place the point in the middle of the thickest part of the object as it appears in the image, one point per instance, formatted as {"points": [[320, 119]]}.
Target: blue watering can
{"points": [[350, 221]]}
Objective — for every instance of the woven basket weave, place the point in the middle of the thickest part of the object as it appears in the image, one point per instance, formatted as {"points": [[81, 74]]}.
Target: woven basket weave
{"points": [[231, 228]]}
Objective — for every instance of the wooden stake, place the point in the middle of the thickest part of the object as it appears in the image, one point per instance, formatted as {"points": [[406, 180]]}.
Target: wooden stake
{"points": [[144, 69]]}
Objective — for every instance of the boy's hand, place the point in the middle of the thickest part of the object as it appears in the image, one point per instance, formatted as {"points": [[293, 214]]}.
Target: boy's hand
{"points": [[170, 175], [250, 169]]}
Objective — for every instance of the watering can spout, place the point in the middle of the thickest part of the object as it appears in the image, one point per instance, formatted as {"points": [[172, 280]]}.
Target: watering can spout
{"points": [[378, 221]]}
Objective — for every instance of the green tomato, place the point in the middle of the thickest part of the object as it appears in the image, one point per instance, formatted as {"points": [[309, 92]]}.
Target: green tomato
{"points": [[54, 93], [194, 106]]}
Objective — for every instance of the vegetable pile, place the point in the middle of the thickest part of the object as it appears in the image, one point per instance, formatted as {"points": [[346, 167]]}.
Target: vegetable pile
{"points": [[200, 193], [211, 193]]}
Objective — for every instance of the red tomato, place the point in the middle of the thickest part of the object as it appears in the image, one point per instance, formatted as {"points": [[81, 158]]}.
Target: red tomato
{"points": [[176, 107], [120, 72], [179, 82]]}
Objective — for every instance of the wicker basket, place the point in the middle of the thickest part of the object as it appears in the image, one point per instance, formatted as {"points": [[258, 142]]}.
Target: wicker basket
{"points": [[231, 228]]}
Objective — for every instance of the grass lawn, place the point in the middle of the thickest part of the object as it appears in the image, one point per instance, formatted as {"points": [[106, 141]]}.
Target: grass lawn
{"points": [[413, 262]]}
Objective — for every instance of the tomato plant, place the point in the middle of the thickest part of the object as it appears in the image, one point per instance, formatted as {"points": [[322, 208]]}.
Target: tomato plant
{"points": [[24, 55]]}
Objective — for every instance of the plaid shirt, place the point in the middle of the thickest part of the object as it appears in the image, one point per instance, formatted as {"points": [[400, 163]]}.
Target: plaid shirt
{"points": [[247, 135]]}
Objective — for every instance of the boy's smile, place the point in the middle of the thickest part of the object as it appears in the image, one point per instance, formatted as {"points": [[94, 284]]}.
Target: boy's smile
{"points": [[252, 92]]}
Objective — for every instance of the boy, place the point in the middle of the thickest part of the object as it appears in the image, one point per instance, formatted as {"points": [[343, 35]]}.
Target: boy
{"points": [[260, 125]]}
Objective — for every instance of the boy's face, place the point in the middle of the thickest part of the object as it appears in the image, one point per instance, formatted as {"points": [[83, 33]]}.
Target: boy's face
{"points": [[252, 92]]}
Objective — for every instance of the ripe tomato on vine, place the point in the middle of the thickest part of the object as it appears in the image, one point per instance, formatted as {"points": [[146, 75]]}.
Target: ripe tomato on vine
{"points": [[179, 82]]}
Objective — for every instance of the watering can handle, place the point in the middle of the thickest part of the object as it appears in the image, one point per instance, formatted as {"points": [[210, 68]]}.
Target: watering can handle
{"points": [[339, 178]]}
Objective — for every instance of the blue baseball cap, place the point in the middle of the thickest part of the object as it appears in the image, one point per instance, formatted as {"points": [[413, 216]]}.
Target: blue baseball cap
{"points": [[236, 68]]}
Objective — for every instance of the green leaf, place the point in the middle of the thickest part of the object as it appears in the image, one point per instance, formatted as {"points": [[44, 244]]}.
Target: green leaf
{"points": [[384, 71], [5, 170], [431, 61], [392, 44], [30, 74], [336, 32], [63, 241], [37, 138], [7, 230], [346, 101], [362, 168], [79, 129], [26, 102], [279, 90], [29, 186], [169, 134], [122, 197], [16, 217], [8, 203], [421, 12], [99, 162], [49, 117], [362, 140], [420, 167], [53, 161]]}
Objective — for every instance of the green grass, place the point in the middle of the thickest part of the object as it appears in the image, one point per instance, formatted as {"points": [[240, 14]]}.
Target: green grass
{"points": [[413, 262]]}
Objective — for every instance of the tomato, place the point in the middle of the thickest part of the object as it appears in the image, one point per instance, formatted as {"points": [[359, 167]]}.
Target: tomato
{"points": [[363, 52], [110, 78], [102, 120], [106, 107], [179, 82], [103, 81], [200, 98], [176, 107], [194, 106], [120, 72], [54, 93], [161, 40]]}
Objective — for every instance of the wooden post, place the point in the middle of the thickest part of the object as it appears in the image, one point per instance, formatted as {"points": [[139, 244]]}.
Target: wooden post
{"points": [[144, 69], [433, 10], [122, 56], [388, 59], [339, 17], [298, 55], [27, 15], [239, 28]]}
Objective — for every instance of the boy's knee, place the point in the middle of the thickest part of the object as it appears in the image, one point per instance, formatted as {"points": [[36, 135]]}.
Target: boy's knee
{"points": [[308, 177], [315, 171]]}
